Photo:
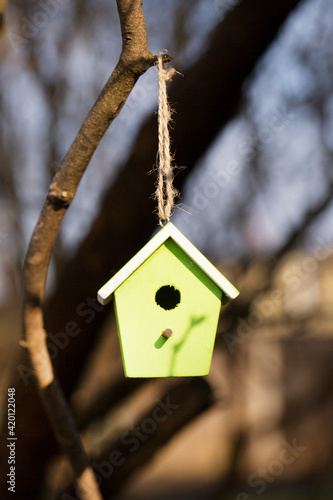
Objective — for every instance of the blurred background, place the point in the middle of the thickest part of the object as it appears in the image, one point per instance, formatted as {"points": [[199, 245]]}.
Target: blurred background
{"points": [[252, 137]]}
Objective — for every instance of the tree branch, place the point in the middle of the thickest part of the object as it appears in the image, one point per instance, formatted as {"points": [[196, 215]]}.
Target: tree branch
{"points": [[135, 59]]}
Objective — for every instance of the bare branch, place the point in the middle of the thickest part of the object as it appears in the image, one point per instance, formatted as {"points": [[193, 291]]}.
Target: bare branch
{"points": [[135, 59]]}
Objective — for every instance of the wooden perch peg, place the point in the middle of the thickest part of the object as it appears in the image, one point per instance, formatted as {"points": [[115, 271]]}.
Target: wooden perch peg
{"points": [[167, 333]]}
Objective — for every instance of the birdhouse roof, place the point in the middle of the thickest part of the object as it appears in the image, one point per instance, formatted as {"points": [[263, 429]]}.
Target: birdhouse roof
{"points": [[168, 231]]}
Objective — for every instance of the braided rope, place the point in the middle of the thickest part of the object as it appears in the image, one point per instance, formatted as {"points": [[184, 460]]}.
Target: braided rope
{"points": [[165, 192]]}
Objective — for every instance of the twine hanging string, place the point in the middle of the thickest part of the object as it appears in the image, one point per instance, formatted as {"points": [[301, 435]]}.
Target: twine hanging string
{"points": [[165, 192]]}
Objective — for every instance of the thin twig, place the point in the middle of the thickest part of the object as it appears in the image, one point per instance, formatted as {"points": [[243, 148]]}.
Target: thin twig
{"points": [[135, 59]]}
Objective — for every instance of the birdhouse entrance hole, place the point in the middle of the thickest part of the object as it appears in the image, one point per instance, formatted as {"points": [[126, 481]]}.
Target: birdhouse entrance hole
{"points": [[167, 297]]}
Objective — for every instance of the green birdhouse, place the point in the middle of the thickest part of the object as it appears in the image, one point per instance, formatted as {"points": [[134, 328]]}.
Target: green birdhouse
{"points": [[167, 303]]}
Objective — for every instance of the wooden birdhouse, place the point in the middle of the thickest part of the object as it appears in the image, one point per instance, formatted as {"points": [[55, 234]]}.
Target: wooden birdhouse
{"points": [[167, 304]]}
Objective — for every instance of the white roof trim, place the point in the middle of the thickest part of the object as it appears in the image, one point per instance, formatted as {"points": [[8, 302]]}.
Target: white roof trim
{"points": [[169, 231]]}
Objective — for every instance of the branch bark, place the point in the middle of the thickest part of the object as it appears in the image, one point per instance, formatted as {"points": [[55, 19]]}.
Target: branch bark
{"points": [[135, 59]]}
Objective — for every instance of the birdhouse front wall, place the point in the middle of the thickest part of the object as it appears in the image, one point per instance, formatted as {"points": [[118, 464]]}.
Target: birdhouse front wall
{"points": [[168, 291]]}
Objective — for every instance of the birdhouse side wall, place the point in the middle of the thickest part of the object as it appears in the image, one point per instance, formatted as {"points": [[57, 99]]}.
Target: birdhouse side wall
{"points": [[193, 320]]}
